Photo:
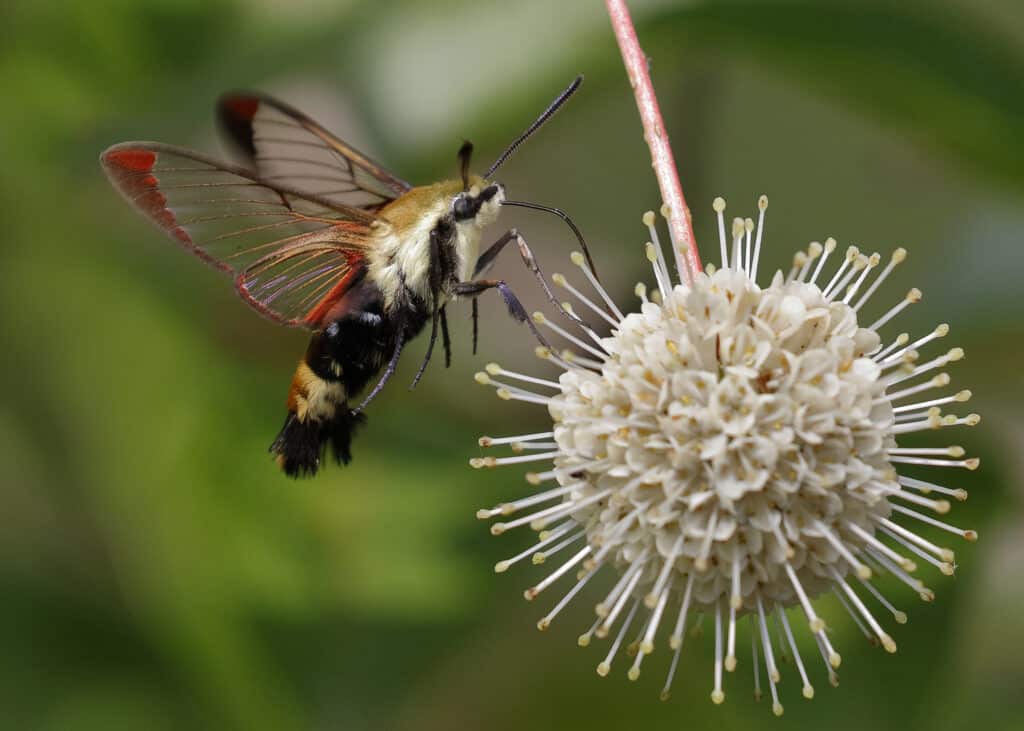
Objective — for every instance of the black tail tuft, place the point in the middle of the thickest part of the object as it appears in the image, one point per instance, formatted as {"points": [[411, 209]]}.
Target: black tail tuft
{"points": [[300, 445]]}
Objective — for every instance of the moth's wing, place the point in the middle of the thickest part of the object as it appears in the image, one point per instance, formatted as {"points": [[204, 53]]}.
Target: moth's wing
{"points": [[283, 145], [291, 253]]}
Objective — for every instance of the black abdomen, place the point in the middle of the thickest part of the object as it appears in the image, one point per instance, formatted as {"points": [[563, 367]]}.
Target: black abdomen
{"points": [[340, 361]]}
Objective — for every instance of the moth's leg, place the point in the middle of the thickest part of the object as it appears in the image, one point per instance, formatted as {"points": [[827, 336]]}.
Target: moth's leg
{"points": [[526, 254], [388, 372], [486, 259], [446, 339], [515, 307], [476, 322], [439, 268], [430, 349]]}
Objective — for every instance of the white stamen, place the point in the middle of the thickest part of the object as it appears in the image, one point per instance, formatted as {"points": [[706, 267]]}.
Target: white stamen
{"points": [[553, 535], [540, 319], [660, 265], [701, 563], [900, 617], [542, 556], [521, 458], [579, 260], [813, 252], [935, 382], [915, 584], [663, 576], [755, 661], [926, 487], [574, 359], [719, 206], [533, 446], [815, 623], [507, 394], [913, 297], [634, 649], [606, 665], [730, 654], [830, 246], [917, 415], [895, 529], [653, 256], [717, 695], [863, 571], [932, 422], [939, 332], [737, 243], [748, 253], [901, 339], [627, 592], [521, 438], [968, 535], [871, 540], [872, 262], [647, 646], [766, 643], [924, 451], [833, 678], [854, 616], [516, 505], [548, 514], [762, 206], [859, 263], [897, 256], [953, 355], [852, 253], [799, 262], [675, 640], [939, 506], [883, 637], [496, 370], [682, 272], [808, 689], [561, 281], [769, 660], [544, 622], [946, 567], [970, 464], [959, 397], [665, 691], [584, 639], [555, 575]]}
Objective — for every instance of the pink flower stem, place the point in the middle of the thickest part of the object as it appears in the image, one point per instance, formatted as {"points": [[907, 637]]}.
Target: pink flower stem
{"points": [[678, 213]]}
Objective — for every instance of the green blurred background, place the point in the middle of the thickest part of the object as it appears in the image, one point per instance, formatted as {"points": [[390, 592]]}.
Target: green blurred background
{"points": [[157, 572]]}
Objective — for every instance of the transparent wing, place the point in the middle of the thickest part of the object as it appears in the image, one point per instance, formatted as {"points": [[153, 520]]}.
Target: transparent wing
{"points": [[283, 145], [291, 253]]}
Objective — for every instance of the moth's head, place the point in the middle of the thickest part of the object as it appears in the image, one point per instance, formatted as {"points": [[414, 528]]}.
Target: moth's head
{"points": [[479, 203]]}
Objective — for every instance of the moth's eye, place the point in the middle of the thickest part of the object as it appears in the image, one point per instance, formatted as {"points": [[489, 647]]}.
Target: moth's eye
{"points": [[464, 207]]}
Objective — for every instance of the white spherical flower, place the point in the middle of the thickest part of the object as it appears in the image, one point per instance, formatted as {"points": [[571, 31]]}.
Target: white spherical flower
{"points": [[731, 450]]}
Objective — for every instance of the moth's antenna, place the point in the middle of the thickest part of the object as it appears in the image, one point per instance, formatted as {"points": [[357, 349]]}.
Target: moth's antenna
{"points": [[465, 153], [565, 217], [544, 117]]}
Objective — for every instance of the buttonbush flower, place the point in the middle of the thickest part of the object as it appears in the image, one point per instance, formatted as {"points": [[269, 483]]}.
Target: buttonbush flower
{"points": [[731, 450]]}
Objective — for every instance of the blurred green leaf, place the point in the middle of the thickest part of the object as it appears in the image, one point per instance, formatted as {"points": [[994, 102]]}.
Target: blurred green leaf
{"points": [[940, 77]]}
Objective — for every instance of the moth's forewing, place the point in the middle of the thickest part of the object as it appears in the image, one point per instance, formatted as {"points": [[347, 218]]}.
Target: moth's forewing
{"points": [[284, 145], [288, 251]]}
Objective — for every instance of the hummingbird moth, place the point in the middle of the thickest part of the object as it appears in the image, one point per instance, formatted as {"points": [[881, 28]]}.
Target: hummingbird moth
{"points": [[317, 235]]}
